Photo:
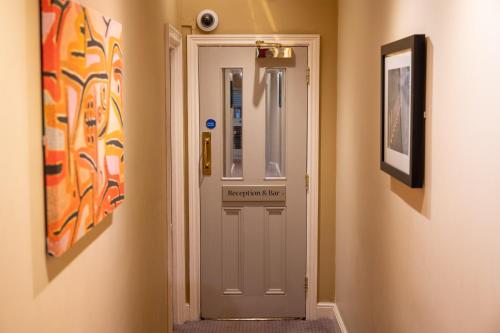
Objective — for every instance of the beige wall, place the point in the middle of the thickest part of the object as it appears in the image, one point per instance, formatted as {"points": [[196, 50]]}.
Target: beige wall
{"points": [[114, 280], [294, 17], [421, 260]]}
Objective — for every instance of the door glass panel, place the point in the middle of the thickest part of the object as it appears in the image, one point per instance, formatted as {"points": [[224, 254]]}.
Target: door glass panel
{"points": [[233, 115], [275, 123]]}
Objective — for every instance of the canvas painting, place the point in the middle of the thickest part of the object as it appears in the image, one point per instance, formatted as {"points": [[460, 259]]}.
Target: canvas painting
{"points": [[82, 70]]}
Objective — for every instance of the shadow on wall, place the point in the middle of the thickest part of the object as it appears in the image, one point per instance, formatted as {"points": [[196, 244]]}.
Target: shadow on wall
{"points": [[56, 265], [46, 268], [420, 199]]}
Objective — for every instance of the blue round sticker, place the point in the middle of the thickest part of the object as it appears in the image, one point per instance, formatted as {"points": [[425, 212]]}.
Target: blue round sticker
{"points": [[211, 123]]}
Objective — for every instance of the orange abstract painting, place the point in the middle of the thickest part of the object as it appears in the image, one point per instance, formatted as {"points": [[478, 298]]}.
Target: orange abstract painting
{"points": [[82, 74]]}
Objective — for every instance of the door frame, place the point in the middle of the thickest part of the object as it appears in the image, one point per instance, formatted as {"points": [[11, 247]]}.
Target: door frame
{"points": [[176, 129], [194, 42]]}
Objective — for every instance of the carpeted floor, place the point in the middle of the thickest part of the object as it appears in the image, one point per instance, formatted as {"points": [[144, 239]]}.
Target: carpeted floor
{"points": [[275, 326]]}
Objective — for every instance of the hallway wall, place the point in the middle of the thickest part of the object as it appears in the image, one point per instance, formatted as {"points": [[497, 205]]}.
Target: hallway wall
{"points": [[294, 17], [420, 260], [114, 280]]}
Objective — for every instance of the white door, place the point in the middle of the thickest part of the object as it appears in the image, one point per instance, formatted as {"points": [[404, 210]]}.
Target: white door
{"points": [[253, 139]]}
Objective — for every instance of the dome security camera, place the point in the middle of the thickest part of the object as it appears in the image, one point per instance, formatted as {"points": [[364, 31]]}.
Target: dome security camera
{"points": [[207, 20]]}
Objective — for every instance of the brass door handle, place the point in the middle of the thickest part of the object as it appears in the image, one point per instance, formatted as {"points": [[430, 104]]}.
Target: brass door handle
{"points": [[206, 139]]}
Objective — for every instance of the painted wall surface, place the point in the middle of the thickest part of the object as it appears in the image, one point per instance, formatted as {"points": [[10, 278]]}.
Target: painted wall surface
{"points": [[113, 280], [420, 260], [294, 17]]}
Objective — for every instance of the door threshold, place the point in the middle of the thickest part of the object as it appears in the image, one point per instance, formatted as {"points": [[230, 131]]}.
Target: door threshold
{"points": [[255, 319]]}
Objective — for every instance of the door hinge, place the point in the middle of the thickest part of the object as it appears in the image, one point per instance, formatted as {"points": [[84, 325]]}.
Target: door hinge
{"points": [[306, 283], [308, 75], [307, 182]]}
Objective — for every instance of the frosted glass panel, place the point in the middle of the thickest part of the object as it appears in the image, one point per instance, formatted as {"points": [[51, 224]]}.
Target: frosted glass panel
{"points": [[233, 116], [275, 123]]}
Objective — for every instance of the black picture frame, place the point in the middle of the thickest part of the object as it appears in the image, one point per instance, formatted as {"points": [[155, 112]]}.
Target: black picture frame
{"points": [[416, 45]]}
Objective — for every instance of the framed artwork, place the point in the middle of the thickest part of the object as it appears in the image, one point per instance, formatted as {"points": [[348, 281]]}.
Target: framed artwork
{"points": [[402, 150], [82, 83]]}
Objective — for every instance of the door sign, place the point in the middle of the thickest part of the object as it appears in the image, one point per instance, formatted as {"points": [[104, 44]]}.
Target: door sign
{"points": [[253, 193], [211, 123]]}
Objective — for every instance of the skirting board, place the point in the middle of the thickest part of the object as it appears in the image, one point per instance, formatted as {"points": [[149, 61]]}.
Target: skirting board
{"points": [[330, 310], [184, 315]]}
